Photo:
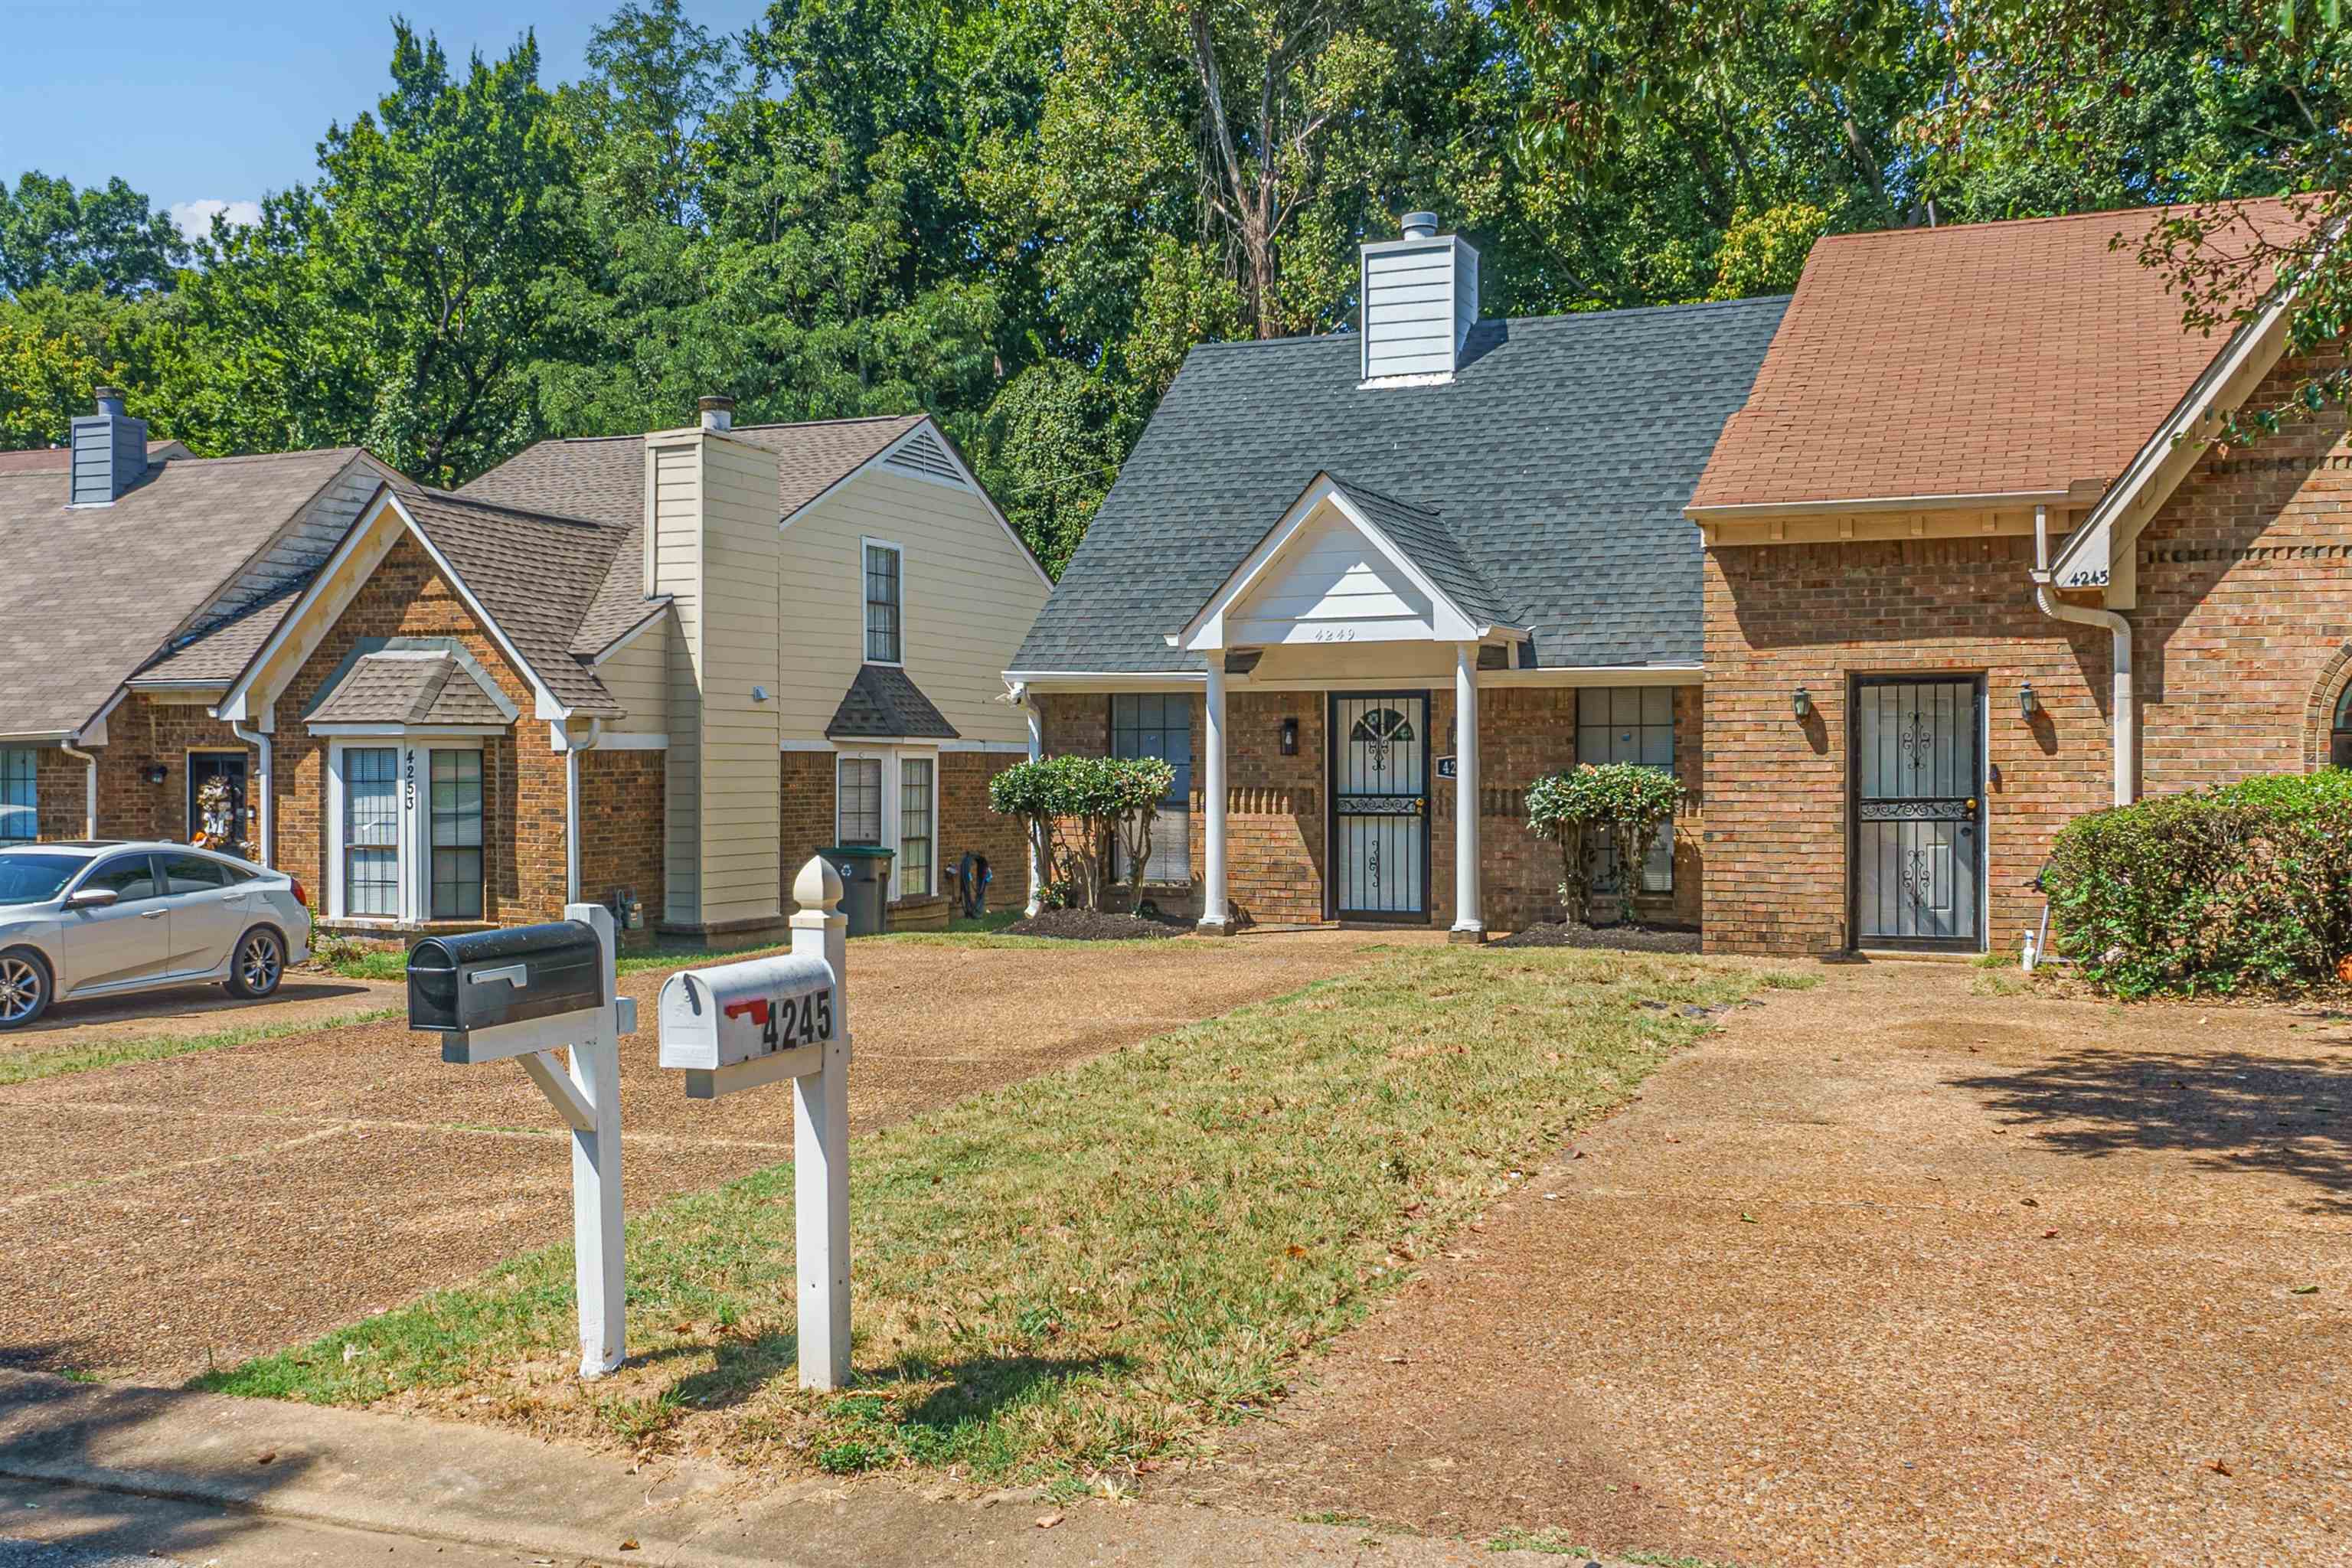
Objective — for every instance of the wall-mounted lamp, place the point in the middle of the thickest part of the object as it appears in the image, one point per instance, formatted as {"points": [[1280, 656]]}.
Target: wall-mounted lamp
{"points": [[1290, 737], [758, 694], [2028, 705], [1801, 703], [158, 773]]}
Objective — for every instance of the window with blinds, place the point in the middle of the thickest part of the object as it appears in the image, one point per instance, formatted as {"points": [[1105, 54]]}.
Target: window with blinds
{"points": [[1160, 724], [1630, 725]]}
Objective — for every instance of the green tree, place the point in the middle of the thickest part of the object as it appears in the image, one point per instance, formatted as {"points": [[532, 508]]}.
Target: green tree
{"points": [[106, 238], [55, 346]]}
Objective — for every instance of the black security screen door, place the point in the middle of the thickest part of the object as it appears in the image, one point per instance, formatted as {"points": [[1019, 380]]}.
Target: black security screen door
{"points": [[1918, 811], [1380, 805]]}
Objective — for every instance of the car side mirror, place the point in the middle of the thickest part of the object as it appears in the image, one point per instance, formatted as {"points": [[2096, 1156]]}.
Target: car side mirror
{"points": [[92, 898]]}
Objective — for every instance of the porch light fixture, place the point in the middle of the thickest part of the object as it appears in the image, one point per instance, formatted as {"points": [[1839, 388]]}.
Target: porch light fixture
{"points": [[1290, 737], [1802, 702], [157, 773], [2028, 705]]}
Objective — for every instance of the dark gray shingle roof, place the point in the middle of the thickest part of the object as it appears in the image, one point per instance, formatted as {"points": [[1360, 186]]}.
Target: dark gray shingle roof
{"points": [[883, 703], [1558, 459]]}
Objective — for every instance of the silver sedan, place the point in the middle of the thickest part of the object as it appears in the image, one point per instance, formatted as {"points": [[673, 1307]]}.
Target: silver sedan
{"points": [[82, 920]]}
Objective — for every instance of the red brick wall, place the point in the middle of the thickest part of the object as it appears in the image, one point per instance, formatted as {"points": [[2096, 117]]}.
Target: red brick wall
{"points": [[522, 774], [139, 733], [622, 815], [2243, 634], [1276, 855], [807, 823], [967, 825]]}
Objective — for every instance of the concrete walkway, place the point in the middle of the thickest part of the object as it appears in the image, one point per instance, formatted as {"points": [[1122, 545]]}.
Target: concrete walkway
{"points": [[120, 1471]]}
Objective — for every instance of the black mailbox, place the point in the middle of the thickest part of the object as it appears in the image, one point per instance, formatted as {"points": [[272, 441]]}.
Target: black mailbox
{"points": [[476, 982]]}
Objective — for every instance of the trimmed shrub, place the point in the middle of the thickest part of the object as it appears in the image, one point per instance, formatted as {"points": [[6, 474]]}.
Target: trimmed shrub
{"points": [[1624, 804], [1074, 809], [2240, 887]]}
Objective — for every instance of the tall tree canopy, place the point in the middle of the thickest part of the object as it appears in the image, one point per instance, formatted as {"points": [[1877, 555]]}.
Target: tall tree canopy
{"points": [[1020, 214]]}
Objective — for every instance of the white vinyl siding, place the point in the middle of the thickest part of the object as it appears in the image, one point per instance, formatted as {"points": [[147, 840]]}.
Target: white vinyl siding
{"points": [[1631, 724], [1328, 579], [1419, 300], [20, 796]]}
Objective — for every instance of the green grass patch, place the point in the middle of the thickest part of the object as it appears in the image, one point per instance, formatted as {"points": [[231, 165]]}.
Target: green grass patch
{"points": [[1083, 1270], [26, 1066]]}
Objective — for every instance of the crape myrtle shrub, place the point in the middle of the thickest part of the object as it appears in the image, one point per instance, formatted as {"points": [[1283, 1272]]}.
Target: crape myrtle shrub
{"points": [[2236, 887], [1075, 809]]}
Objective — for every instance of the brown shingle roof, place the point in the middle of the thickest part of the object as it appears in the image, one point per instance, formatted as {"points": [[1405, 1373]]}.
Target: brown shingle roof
{"points": [[408, 687], [223, 653], [604, 477], [538, 575], [54, 459], [1980, 359], [93, 592]]}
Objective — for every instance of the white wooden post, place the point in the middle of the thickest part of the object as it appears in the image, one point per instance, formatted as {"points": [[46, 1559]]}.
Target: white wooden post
{"points": [[821, 1142], [1037, 751], [1214, 914], [598, 1260], [1469, 926]]}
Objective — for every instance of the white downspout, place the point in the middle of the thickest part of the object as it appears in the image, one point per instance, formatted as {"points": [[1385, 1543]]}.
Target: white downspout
{"points": [[572, 805], [265, 836], [2119, 634], [89, 786]]}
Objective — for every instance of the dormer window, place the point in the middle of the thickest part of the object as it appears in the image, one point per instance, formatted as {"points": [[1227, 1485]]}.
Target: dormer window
{"points": [[882, 603]]}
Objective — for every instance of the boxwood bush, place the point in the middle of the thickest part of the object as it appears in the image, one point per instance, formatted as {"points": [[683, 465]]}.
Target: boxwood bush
{"points": [[2240, 887]]}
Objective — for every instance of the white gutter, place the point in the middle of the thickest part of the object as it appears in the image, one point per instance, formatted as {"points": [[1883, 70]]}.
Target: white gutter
{"points": [[2119, 635], [90, 784], [571, 806], [264, 833]]}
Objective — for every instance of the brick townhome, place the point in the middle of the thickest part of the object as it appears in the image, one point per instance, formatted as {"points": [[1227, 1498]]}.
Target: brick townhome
{"points": [[1323, 552], [1977, 465], [595, 672]]}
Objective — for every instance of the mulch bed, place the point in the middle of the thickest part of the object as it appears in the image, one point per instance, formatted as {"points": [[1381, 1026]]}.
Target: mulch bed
{"points": [[1621, 939], [1096, 925]]}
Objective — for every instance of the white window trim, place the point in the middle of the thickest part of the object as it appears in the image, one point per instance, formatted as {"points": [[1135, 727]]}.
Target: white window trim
{"points": [[412, 840], [894, 789], [865, 544]]}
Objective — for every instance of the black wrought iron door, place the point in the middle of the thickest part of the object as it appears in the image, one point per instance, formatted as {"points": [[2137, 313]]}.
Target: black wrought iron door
{"points": [[1379, 804], [1918, 803]]}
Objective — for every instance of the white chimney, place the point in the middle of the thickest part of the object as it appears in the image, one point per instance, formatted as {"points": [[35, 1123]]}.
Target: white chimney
{"points": [[1421, 300], [718, 413]]}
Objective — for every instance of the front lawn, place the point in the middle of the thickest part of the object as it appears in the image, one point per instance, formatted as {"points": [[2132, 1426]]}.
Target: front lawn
{"points": [[1083, 1270]]}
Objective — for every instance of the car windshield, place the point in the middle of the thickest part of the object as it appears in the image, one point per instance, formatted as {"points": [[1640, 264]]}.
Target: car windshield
{"points": [[36, 878]]}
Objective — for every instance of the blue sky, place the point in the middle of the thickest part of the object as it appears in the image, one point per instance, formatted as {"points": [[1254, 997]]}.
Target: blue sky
{"points": [[201, 102]]}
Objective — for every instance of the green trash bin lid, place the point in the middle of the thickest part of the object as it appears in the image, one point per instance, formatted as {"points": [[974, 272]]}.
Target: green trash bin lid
{"points": [[858, 852]]}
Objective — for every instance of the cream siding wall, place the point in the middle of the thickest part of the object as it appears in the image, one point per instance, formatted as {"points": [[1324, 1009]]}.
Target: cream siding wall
{"points": [[639, 676], [742, 770], [673, 565], [968, 593]]}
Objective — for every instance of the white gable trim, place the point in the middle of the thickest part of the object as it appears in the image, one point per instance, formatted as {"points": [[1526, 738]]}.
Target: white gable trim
{"points": [[2100, 553], [970, 482], [239, 701], [1205, 632]]}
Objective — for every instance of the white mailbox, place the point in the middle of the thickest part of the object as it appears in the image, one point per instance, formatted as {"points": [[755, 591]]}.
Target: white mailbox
{"points": [[737, 1025]]}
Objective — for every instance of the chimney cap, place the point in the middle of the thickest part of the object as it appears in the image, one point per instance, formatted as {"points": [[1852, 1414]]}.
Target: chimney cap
{"points": [[1421, 226], [718, 411], [106, 395]]}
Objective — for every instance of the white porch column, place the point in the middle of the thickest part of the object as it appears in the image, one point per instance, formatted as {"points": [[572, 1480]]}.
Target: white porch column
{"points": [[1037, 751], [1213, 914], [1468, 923]]}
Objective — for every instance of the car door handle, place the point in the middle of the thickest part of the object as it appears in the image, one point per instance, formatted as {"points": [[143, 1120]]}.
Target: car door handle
{"points": [[152, 914]]}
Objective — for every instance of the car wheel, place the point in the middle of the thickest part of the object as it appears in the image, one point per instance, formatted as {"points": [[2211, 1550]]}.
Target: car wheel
{"points": [[259, 965], [23, 988]]}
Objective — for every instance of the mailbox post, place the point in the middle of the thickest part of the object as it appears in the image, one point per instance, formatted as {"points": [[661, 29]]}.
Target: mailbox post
{"points": [[738, 1025], [524, 993]]}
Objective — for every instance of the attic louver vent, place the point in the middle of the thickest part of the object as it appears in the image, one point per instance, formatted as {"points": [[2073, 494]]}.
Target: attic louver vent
{"points": [[922, 454]]}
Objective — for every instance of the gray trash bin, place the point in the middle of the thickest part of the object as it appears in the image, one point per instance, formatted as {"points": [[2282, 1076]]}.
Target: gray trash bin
{"points": [[866, 885]]}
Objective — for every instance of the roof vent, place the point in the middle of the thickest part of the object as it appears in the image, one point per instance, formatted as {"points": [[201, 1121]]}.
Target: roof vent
{"points": [[1421, 300], [718, 413], [109, 452]]}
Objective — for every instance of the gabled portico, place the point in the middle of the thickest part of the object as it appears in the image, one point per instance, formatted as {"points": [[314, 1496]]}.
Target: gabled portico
{"points": [[1344, 567]]}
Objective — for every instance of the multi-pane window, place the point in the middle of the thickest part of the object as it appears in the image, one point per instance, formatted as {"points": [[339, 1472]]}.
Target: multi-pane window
{"points": [[882, 642], [457, 835], [20, 805], [1630, 725], [914, 827], [1160, 724], [859, 788], [371, 831]]}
